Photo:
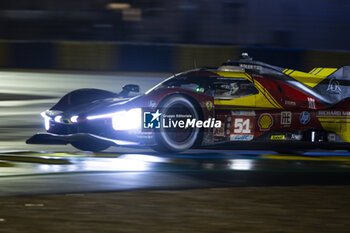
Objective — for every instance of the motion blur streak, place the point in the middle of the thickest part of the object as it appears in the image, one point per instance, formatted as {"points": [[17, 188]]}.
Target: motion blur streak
{"points": [[242, 164]]}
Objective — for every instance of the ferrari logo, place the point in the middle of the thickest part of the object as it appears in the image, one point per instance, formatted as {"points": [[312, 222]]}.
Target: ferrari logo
{"points": [[209, 105]]}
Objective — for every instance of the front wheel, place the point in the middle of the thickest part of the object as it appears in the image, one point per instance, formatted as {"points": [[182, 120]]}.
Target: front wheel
{"points": [[89, 146], [177, 139]]}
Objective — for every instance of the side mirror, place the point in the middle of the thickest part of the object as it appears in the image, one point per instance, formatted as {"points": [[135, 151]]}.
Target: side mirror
{"points": [[129, 88]]}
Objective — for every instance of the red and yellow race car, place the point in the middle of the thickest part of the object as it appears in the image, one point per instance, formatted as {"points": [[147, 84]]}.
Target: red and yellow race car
{"points": [[242, 104]]}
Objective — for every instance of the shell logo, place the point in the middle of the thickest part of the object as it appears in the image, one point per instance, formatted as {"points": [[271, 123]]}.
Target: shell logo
{"points": [[265, 121]]}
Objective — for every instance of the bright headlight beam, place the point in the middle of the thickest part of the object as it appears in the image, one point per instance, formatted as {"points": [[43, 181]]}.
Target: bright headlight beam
{"points": [[127, 120], [100, 116], [123, 120]]}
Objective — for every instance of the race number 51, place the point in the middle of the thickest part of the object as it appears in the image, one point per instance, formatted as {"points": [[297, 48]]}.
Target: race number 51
{"points": [[242, 126]]}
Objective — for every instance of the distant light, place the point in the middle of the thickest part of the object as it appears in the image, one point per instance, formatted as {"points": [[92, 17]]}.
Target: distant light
{"points": [[132, 14], [117, 6], [58, 119], [74, 119]]}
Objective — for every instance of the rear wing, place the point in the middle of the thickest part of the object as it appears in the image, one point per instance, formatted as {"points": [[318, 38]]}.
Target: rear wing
{"points": [[335, 84], [331, 83]]}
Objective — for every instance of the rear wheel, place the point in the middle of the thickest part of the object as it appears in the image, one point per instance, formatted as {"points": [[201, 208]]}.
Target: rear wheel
{"points": [[177, 139], [89, 146]]}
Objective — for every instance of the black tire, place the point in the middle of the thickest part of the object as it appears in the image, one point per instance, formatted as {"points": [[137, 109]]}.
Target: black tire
{"points": [[179, 139], [88, 146]]}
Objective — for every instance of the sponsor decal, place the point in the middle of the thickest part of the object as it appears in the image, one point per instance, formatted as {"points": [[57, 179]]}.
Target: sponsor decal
{"points": [[241, 137], [304, 118], [209, 105], [311, 102], [152, 104], [333, 113], [289, 102], [243, 113], [332, 137], [333, 87], [219, 132], [286, 118], [278, 137], [265, 121], [250, 67], [156, 120]]}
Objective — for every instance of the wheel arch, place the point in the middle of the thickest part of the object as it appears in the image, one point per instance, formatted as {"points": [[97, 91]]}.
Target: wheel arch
{"points": [[198, 108], [190, 98]]}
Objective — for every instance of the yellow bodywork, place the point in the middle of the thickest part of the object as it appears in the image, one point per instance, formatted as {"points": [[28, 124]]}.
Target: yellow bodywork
{"points": [[311, 79], [337, 124]]}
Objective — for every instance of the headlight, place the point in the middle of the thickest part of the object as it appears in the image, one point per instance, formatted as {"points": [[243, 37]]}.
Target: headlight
{"points": [[123, 120], [127, 120], [58, 119], [74, 119], [47, 120]]}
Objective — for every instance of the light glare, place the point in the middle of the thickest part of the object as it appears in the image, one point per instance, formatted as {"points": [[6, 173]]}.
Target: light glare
{"points": [[123, 120], [127, 120], [100, 116], [58, 119], [241, 164], [74, 119], [46, 120]]}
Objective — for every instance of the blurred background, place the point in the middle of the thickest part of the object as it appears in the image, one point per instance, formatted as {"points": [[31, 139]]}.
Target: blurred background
{"points": [[172, 35]]}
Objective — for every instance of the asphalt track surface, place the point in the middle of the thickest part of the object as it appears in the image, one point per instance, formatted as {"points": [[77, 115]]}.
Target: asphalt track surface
{"points": [[31, 169]]}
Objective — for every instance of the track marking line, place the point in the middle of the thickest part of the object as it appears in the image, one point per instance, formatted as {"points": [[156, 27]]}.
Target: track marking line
{"points": [[296, 157]]}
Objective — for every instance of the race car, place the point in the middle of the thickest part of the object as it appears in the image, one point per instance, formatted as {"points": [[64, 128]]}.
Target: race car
{"points": [[242, 104]]}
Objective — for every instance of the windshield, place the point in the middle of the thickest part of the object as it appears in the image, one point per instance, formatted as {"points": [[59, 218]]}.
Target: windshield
{"points": [[193, 83], [216, 86]]}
